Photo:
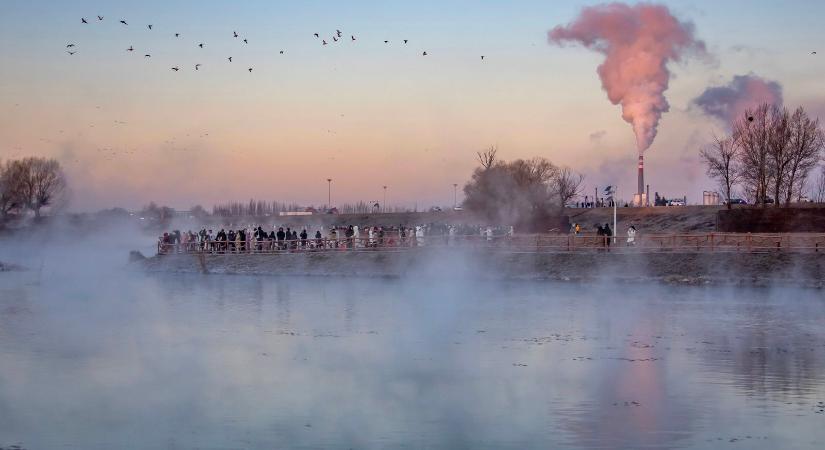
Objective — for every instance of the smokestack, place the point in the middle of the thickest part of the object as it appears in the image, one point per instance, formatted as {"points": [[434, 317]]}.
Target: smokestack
{"points": [[641, 190]]}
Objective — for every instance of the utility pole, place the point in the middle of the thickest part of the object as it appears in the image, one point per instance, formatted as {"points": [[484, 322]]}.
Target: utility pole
{"points": [[329, 193], [455, 195], [384, 204], [615, 230]]}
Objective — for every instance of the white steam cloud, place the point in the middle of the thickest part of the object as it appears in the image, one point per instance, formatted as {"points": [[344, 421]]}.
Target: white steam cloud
{"points": [[638, 41]]}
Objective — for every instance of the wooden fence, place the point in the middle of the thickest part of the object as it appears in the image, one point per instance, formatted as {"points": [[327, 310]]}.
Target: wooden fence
{"points": [[538, 243]]}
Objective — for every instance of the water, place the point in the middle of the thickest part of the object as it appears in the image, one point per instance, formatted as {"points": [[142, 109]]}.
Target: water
{"points": [[185, 362]]}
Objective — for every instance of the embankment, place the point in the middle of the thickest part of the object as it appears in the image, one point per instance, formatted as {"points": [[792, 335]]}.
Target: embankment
{"points": [[810, 218], [759, 269]]}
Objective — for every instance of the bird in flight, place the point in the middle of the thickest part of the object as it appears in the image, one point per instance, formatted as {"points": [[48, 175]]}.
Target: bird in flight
{"points": [[482, 57], [197, 66], [424, 54], [99, 17], [71, 53], [338, 32], [235, 33], [177, 34], [230, 59], [175, 68], [353, 37], [124, 22], [245, 41], [813, 53], [200, 45], [316, 35], [83, 20], [250, 70], [147, 56], [130, 49], [335, 39], [386, 42], [282, 52], [69, 45], [323, 41], [405, 41], [150, 26]]}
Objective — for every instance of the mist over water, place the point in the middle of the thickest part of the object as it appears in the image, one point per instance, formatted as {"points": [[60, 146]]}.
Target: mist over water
{"points": [[97, 357]]}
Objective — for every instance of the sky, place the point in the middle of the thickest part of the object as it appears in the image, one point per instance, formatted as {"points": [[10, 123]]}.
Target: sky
{"points": [[129, 130]]}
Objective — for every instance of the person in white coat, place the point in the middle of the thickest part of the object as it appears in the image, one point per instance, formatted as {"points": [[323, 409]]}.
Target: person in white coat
{"points": [[419, 235], [631, 235]]}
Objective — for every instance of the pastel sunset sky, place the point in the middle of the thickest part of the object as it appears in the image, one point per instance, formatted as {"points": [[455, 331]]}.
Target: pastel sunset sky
{"points": [[129, 130]]}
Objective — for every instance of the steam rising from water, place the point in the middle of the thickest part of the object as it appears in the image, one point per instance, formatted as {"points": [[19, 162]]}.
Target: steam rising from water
{"points": [[637, 41]]}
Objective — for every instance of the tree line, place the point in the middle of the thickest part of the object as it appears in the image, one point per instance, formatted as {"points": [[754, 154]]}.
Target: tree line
{"points": [[767, 157], [30, 184]]}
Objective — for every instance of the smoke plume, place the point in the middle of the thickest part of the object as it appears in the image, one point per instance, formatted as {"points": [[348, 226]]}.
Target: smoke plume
{"points": [[637, 41], [744, 91]]}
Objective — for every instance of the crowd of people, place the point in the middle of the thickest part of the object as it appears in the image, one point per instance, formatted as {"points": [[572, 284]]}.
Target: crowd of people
{"points": [[607, 233], [255, 239]]}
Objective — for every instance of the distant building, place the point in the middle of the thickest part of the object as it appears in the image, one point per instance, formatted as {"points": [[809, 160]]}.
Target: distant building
{"points": [[711, 198]]}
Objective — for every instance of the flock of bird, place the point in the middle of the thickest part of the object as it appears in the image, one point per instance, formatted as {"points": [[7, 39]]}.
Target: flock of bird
{"points": [[72, 46], [338, 36]]}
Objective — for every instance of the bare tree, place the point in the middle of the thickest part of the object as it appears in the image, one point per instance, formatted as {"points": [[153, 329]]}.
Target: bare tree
{"points": [[43, 183], [11, 200], [568, 184], [752, 133], [511, 191], [804, 152], [720, 157], [487, 158], [779, 159]]}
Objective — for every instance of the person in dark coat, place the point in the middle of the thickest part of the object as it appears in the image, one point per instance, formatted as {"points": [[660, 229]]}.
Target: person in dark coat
{"points": [[349, 234], [609, 233], [281, 236], [304, 238]]}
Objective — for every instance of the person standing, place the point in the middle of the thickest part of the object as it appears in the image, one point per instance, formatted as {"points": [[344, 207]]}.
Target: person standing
{"points": [[281, 236], [608, 234], [631, 235]]}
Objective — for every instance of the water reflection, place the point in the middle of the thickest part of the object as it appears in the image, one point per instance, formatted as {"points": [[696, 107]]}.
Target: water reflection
{"points": [[253, 362]]}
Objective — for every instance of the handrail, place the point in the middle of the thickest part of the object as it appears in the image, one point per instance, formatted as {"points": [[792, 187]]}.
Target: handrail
{"points": [[537, 243]]}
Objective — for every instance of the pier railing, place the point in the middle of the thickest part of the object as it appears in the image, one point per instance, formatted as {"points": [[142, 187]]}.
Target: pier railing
{"points": [[536, 243]]}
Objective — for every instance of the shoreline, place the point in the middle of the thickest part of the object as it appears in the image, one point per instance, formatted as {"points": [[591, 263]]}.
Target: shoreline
{"points": [[732, 269]]}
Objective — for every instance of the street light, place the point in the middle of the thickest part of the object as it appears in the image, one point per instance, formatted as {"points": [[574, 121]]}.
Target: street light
{"points": [[384, 205], [329, 193]]}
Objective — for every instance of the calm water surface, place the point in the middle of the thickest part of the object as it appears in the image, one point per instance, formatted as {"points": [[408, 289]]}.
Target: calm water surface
{"points": [[185, 362]]}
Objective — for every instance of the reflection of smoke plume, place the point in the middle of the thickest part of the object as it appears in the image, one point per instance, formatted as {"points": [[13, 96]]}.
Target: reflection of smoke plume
{"points": [[744, 91], [638, 42]]}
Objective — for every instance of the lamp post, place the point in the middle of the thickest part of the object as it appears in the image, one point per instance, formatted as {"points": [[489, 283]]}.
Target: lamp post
{"points": [[384, 204], [455, 195], [329, 193]]}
